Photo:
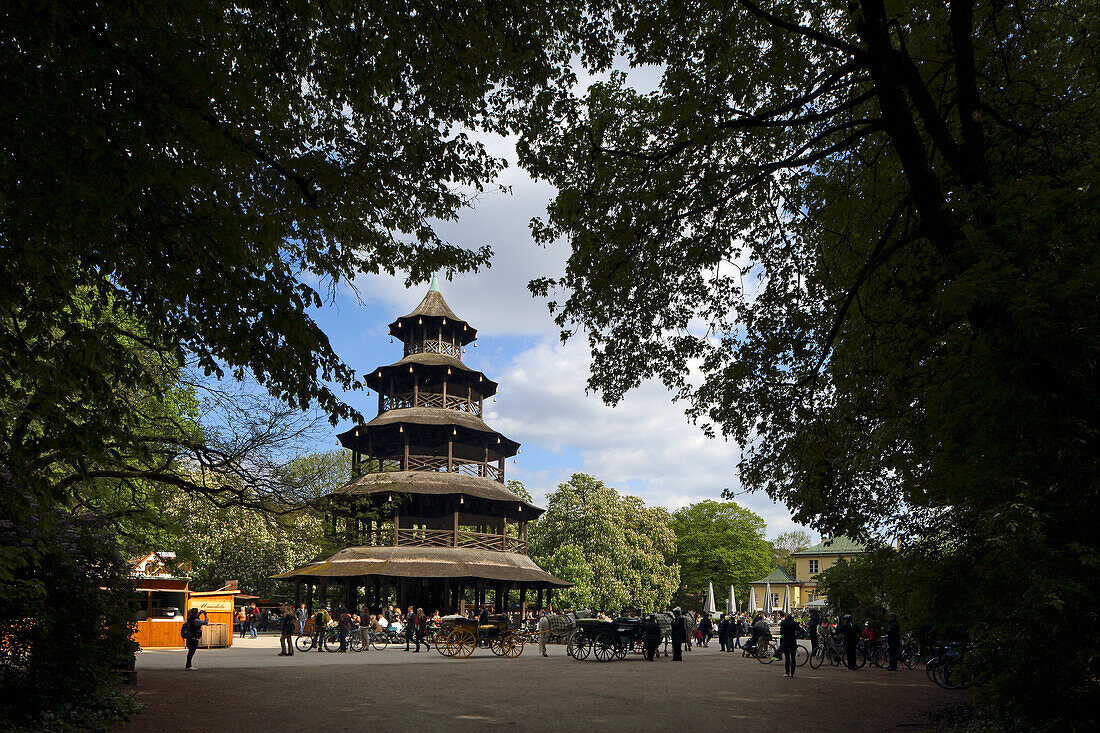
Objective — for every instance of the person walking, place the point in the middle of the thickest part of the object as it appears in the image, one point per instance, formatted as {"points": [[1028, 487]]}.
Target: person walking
{"points": [[788, 643], [303, 615], [421, 629], [706, 630], [848, 632], [723, 632], [544, 631], [343, 627], [893, 642], [410, 628], [192, 632], [320, 620], [815, 621], [286, 640], [253, 620], [651, 637], [242, 621], [679, 635]]}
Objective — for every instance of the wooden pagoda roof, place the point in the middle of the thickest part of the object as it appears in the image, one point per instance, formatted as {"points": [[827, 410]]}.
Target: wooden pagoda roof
{"points": [[429, 417], [426, 562], [433, 306], [486, 386], [440, 483]]}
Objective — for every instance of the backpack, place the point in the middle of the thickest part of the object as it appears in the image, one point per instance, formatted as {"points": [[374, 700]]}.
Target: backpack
{"points": [[185, 632]]}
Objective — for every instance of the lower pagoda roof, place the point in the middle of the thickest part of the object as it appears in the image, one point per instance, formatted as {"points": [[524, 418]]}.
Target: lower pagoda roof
{"points": [[440, 483], [426, 562]]}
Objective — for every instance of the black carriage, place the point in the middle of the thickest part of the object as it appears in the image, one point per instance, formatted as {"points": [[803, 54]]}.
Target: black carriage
{"points": [[605, 640]]}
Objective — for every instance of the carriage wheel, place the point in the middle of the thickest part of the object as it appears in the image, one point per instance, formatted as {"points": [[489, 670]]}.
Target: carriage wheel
{"points": [[513, 645], [443, 644], [620, 651], [578, 646], [604, 647], [496, 645], [462, 642]]}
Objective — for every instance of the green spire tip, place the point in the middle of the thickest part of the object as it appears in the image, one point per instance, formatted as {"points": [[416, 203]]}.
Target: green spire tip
{"points": [[435, 285]]}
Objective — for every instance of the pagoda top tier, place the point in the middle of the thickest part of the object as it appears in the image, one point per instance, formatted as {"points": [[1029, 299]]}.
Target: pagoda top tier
{"points": [[433, 326]]}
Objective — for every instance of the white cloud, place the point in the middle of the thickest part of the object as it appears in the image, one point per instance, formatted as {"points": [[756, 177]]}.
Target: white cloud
{"points": [[644, 446]]}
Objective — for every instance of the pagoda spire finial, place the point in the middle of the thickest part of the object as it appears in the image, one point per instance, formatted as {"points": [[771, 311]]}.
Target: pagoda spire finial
{"points": [[435, 284]]}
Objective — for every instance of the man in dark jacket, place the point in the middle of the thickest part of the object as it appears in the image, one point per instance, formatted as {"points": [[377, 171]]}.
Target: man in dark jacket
{"points": [[706, 628], [410, 628], [848, 632], [736, 629], [651, 637], [286, 638], [788, 643], [893, 642], [679, 635], [192, 633], [723, 632]]}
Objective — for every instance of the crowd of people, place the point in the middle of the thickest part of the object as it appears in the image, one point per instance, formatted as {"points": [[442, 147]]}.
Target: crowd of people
{"points": [[736, 631]]}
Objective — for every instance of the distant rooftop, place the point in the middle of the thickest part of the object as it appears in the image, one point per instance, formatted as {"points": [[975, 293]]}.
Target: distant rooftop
{"points": [[840, 544], [779, 576]]}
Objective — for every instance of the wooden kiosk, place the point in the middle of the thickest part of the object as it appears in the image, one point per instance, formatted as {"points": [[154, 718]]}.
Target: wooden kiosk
{"points": [[165, 599]]}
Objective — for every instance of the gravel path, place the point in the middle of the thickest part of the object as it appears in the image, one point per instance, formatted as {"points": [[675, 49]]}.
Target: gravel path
{"points": [[249, 686]]}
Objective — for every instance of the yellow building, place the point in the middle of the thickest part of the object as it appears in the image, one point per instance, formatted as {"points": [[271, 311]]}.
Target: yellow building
{"points": [[810, 562], [801, 588]]}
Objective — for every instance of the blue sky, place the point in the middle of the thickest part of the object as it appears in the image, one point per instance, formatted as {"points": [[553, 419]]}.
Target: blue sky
{"points": [[645, 446]]}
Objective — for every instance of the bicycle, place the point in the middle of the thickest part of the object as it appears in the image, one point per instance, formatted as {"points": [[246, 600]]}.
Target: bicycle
{"points": [[944, 669], [329, 641]]}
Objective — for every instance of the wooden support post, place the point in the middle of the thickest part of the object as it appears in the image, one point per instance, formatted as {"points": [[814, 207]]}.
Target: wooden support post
{"points": [[540, 600], [405, 465], [444, 392], [500, 467], [456, 529], [396, 524], [523, 602], [504, 534], [450, 454]]}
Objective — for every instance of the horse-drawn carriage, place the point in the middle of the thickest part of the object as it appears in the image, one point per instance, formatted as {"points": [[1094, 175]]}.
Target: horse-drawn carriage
{"points": [[607, 640], [458, 636]]}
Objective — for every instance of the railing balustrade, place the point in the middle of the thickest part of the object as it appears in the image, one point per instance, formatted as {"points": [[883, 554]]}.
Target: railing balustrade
{"points": [[412, 537], [430, 399], [433, 346]]}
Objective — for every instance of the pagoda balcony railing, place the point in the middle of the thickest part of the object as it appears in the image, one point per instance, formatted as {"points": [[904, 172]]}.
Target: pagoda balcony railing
{"points": [[458, 465], [433, 346], [448, 538], [429, 399]]}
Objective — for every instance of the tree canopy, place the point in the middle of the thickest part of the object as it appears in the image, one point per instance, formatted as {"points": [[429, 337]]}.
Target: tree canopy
{"points": [[787, 542], [618, 551], [718, 542], [871, 226]]}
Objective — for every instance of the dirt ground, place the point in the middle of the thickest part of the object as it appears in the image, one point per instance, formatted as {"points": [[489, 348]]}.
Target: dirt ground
{"points": [[392, 690]]}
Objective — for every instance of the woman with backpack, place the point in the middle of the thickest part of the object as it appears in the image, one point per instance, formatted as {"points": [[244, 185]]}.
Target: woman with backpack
{"points": [[192, 632]]}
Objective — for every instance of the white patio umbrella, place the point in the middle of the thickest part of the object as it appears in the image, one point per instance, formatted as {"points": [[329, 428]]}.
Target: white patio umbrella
{"points": [[731, 604], [786, 599], [752, 600], [708, 607], [768, 598]]}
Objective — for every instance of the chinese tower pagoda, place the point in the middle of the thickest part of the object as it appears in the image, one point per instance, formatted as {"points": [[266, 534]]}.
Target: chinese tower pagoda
{"points": [[426, 519]]}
